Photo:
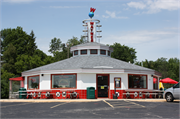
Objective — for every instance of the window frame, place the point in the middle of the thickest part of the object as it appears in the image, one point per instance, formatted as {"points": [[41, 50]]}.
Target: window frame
{"points": [[83, 54], [115, 82], [138, 75], [75, 51], [101, 53], [28, 82], [64, 74], [94, 53]]}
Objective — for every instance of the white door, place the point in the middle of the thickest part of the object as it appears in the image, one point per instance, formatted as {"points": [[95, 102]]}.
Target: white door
{"points": [[176, 91]]}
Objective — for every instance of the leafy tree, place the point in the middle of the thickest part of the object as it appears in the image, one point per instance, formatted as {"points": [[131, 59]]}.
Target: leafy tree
{"points": [[16, 42], [55, 45], [5, 83], [24, 43], [8, 57], [123, 52]]}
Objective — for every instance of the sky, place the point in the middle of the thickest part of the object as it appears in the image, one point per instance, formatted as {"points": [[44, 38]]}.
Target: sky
{"points": [[151, 27]]}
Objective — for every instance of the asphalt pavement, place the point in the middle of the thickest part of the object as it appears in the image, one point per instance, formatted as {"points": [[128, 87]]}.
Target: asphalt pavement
{"points": [[91, 109]]}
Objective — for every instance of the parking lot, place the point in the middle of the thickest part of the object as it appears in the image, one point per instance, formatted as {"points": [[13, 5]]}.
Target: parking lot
{"points": [[95, 109]]}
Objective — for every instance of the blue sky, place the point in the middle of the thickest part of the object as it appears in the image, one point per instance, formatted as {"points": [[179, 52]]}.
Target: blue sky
{"points": [[149, 26]]}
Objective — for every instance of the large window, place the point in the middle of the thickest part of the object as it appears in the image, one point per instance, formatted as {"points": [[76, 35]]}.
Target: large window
{"points": [[155, 82], [63, 81], [103, 52], [137, 81], [33, 82], [83, 52], [93, 51]]}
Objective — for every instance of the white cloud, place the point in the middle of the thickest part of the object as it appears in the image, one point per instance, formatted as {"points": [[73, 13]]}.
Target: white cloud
{"points": [[137, 5], [18, 1], [155, 6], [149, 45], [113, 15]]}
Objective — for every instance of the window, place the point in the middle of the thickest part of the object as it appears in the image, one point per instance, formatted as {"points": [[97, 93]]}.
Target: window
{"points": [[117, 82], [76, 52], [176, 86], [33, 82], [94, 51], [83, 52], [155, 83], [137, 81], [109, 53], [63, 81], [103, 52]]}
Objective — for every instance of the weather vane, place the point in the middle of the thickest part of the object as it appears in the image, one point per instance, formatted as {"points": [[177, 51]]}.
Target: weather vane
{"points": [[91, 13]]}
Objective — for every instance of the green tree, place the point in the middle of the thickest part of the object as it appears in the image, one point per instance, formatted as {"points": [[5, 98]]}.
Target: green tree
{"points": [[123, 52], [55, 45], [5, 83]]}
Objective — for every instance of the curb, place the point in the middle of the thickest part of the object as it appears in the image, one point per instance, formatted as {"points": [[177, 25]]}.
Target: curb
{"points": [[79, 100]]}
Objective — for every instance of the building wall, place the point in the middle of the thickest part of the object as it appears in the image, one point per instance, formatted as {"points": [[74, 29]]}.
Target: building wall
{"points": [[85, 80], [45, 82]]}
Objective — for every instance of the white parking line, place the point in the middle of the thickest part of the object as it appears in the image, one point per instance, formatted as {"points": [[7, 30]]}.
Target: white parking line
{"points": [[15, 105], [59, 104]]}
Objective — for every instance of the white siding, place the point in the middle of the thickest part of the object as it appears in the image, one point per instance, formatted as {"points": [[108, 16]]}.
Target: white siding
{"points": [[150, 81], [86, 80], [45, 82], [124, 81]]}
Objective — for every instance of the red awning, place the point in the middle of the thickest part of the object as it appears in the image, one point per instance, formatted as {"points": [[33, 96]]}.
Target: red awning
{"points": [[17, 79]]}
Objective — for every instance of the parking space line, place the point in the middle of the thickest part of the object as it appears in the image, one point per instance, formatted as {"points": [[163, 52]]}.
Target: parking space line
{"points": [[108, 104], [15, 105], [134, 103], [59, 104]]}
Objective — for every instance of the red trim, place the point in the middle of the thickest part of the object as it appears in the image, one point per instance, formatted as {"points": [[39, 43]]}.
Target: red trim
{"points": [[17, 79], [115, 82], [75, 51], [137, 75], [97, 85], [28, 82], [64, 74], [83, 50], [101, 53], [94, 53]]}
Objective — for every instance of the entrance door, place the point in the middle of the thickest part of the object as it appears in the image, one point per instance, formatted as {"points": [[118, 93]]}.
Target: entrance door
{"points": [[102, 85]]}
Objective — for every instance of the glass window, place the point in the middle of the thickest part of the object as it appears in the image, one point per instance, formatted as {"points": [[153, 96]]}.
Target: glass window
{"points": [[117, 82], [33, 82], [109, 53], [64, 81], [155, 83], [83, 51], [76, 52], [137, 81], [176, 86], [103, 52], [94, 51]]}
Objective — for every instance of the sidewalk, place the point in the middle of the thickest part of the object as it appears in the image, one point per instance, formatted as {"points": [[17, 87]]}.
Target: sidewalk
{"points": [[80, 100]]}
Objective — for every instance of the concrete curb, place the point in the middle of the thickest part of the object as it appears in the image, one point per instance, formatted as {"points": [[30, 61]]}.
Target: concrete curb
{"points": [[79, 100]]}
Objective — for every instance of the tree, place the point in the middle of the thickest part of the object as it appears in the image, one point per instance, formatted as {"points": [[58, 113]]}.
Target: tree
{"points": [[55, 45], [123, 52], [9, 57], [16, 42], [5, 83]]}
